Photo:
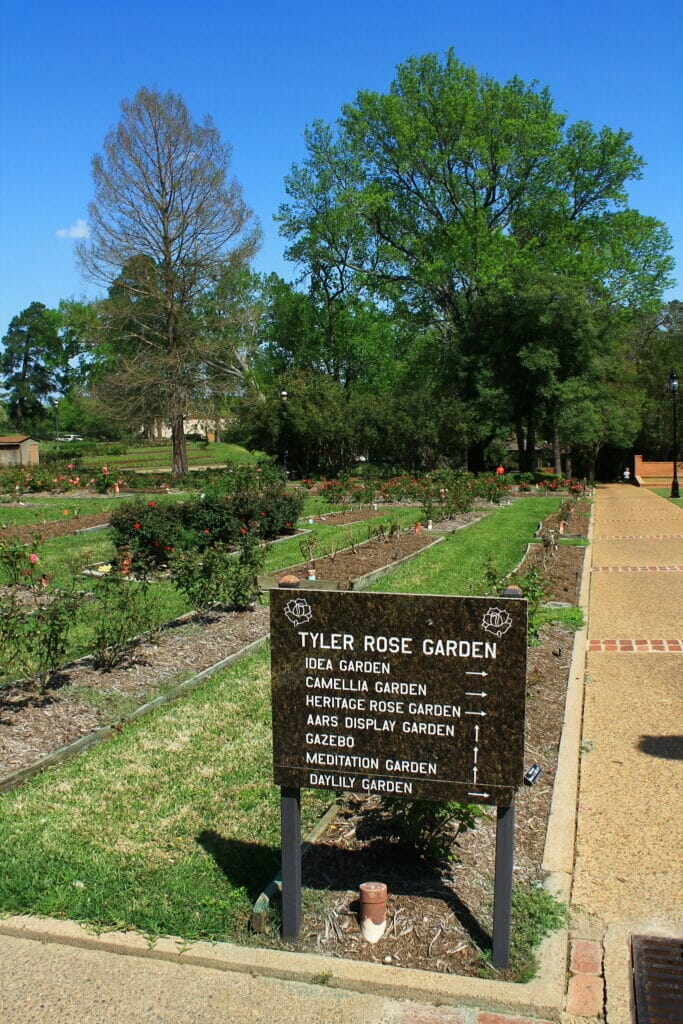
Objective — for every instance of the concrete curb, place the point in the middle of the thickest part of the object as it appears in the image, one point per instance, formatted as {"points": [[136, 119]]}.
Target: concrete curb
{"points": [[558, 855], [542, 997]]}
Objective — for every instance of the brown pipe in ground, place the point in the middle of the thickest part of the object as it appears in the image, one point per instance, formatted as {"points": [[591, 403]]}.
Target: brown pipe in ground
{"points": [[373, 910]]}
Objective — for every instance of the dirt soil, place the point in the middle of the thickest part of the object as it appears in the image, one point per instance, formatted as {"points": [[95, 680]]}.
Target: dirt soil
{"points": [[54, 528], [439, 918]]}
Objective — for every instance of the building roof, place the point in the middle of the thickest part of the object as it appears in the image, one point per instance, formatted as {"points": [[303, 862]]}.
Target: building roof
{"points": [[15, 438]]}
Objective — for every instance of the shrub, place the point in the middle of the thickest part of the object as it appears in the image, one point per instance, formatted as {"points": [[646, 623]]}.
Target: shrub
{"points": [[218, 575], [148, 531], [238, 503], [122, 610], [433, 826]]}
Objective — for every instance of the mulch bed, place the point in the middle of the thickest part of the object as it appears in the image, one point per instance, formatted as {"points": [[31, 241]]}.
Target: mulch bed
{"points": [[81, 698], [54, 528], [350, 564]]}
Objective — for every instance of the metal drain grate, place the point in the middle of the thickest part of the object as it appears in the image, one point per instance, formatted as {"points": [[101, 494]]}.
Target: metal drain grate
{"points": [[657, 979]]}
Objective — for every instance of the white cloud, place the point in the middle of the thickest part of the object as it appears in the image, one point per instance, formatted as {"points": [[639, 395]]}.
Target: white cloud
{"points": [[78, 230]]}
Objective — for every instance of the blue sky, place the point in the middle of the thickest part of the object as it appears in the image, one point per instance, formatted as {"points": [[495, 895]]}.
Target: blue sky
{"points": [[264, 70]]}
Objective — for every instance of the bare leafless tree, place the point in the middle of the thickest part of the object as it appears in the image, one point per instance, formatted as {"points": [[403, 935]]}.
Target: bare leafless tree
{"points": [[166, 225]]}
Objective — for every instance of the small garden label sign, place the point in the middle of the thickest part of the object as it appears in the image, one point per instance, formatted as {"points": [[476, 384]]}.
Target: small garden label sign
{"points": [[419, 697]]}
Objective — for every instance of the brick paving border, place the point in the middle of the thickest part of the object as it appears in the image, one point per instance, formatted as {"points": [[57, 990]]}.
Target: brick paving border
{"points": [[637, 568], [586, 987], [628, 646], [640, 536]]}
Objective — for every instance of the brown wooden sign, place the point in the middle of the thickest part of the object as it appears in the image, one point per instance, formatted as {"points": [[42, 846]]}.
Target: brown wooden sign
{"points": [[399, 695]]}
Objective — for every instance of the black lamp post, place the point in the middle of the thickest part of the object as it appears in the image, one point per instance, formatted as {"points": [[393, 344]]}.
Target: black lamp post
{"points": [[283, 436], [673, 388]]}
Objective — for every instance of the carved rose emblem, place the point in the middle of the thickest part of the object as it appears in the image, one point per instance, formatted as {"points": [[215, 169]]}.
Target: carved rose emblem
{"points": [[298, 611], [497, 622]]}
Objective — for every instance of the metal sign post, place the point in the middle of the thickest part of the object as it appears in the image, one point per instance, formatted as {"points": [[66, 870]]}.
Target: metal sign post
{"points": [[502, 885], [290, 817]]}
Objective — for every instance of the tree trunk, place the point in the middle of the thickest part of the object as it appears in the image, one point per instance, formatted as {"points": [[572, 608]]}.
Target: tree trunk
{"points": [[179, 447], [557, 458], [530, 453], [521, 451]]}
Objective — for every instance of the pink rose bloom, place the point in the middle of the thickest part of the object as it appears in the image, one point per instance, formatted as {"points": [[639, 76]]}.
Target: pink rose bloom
{"points": [[33, 559]]}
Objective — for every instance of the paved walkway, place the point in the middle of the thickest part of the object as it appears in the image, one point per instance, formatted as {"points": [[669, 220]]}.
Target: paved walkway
{"points": [[627, 871], [628, 875]]}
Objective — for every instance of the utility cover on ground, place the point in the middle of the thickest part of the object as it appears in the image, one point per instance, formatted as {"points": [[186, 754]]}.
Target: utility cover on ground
{"points": [[399, 695]]}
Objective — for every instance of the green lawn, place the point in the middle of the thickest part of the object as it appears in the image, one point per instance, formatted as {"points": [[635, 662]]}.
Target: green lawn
{"points": [[159, 459], [172, 826], [457, 566], [665, 492], [41, 509]]}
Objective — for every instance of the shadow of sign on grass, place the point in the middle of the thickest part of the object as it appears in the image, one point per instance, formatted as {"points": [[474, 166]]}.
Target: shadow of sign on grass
{"points": [[251, 866], [247, 866]]}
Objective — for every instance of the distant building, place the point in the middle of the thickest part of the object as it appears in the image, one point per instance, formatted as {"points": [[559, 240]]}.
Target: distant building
{"points": [[18, 450], [207, 428]]}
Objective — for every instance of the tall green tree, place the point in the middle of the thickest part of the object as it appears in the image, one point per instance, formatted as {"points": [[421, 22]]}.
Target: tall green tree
{"points": [[166, 225], [35, 363], [452, 189]]}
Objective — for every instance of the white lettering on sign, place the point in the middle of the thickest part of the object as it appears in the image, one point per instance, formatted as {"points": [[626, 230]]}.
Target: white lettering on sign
{"points": [[434, 710], [336, 683], [331, 781], [429, 728], [369, 724], [402, 689], [320, 757], [386, 707], [388, 644], [323, 721], [459, 648], [327, 642], [321, 739], [319, 664], [374, 668], [412, 767], [399, 786], [322, 700]]}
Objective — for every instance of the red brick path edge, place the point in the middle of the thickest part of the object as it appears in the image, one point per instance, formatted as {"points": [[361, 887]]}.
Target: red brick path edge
{"points": [[637, 568], [642, 536], [623, 646], [586, 988]]}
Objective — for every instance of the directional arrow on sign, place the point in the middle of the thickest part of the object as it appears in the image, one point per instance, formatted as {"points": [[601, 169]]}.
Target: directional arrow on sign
{"points": [[482, 674], [470, 693], [483, 795], [481, 713]]}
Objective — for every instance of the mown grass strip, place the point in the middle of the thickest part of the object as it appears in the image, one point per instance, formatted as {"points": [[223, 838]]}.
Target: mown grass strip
{"points": [[458, 566], [170, 828]]}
